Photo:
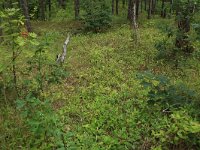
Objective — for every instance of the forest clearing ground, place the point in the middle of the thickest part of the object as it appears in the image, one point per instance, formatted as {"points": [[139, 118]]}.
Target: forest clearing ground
{"points": [[102, 64], [101, 94], [108, 59]]}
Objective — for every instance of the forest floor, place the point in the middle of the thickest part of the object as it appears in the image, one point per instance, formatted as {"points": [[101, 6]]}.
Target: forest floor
{"points": [[112, 58], [102, 68]]}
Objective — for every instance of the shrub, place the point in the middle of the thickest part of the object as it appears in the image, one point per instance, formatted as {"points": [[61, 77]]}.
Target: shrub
{"points": [[45, 129], [97, 15], [164, 93]]}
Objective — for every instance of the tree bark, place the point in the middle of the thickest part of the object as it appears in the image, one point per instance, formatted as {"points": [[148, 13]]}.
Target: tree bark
{"points": [[153, 6], [130, 10], [150, 9], [42, 9], [184, 26], [137, 3], [145, 5], [163, 11], [24, 7], [171, 5], [123, 3], [134, 21], [49, 5], [1, 32], [77, 8], [113, 7], [62, 3], [117, 7]]}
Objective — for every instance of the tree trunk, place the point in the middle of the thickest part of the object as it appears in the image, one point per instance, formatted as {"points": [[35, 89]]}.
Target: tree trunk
{"points": [[145, 5], [24, 7], [49, 3], [153, 6], [182, 40], [150, 9], [77, 8], [184, 22], [163, 11], [62, 3], [113, 7], [134, 21], [137, 3], [130, 10], [123, 3], [1, 32], [42, 9], [117, 7], [171, 5]]}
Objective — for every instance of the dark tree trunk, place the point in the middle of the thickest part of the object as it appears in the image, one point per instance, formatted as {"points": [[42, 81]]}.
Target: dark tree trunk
{"points": [[24, 7], [8, 4], [182, 40], [117, 7], [141, 5], [1, 34], [1, 30], [145, 5], [130, 10], [113, 7], [123, 3], [171, 5], [163, 11], [77, 8], [49, 3], [137, 7], [42, 9], [129, 16], [150, 9], [62, 4]]}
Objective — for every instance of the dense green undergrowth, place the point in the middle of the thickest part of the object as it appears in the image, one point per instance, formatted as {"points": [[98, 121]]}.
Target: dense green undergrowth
{"points": [[116, 96]]}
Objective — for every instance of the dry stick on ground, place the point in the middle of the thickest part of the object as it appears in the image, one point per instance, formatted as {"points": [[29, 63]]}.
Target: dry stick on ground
{"points": [[61, 57]]}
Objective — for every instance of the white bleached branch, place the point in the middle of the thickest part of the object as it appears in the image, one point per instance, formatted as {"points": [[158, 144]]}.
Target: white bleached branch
{"points": [[61, 57]]}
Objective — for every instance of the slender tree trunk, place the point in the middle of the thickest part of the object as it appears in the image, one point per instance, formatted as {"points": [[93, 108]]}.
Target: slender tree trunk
{"points": [[1, 32], [24, 7], [130, 10], [113, 7], [182, 41], [134, 21], [150, 9], [137, 3], [171, 5], [145, 5], [134, 15], [141, 6], [123, 3], [42, 9], [77, 8], [49, 3], [9, 4], [117, 7], [153, 6], [62, 3], [163, 11], [184, 26]]}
